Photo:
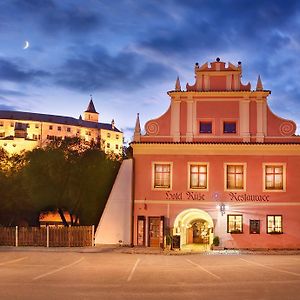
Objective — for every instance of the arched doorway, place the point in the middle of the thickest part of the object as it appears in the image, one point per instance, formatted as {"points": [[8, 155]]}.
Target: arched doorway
{"points": [[195, 226]]}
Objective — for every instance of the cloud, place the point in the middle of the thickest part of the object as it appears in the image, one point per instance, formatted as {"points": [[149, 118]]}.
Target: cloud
{"points": [[96, 69], [10, 71], [7, 107]]}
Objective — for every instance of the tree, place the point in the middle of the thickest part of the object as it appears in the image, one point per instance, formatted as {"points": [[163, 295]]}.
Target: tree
{"points": [[13, 198], [70, 176]]}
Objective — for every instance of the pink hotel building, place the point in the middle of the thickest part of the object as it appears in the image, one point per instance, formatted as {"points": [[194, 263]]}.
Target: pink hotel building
{"points": [[218, 162]]}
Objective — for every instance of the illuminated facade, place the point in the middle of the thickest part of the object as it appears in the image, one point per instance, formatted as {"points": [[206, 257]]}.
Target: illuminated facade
{"points": [[218, 162], [26, 131]]}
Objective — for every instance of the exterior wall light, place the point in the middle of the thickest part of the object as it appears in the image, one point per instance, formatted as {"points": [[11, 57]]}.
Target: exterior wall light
{"points": [[222, 207]]}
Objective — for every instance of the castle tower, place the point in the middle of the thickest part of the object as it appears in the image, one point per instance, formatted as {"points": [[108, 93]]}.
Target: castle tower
{"points": [[90, 114]]}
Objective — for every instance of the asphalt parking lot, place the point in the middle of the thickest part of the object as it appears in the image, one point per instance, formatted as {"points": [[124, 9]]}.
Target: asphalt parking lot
{"points": [[110, 275]]}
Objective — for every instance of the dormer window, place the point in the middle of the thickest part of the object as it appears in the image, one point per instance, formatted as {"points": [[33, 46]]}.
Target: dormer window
{"points": [[205, 127], [229, 127]]}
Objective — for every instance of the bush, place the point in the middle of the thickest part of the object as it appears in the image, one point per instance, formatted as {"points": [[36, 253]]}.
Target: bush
{"points": [[216, 241]]}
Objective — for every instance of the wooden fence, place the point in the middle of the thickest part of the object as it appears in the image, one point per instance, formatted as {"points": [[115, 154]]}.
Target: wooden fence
{"points": [[77, 236]]}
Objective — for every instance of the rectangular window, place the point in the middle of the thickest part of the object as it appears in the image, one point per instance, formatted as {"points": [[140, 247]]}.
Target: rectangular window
{"points": [[108, 135], [34, 137], [117, 136], [274, 177], [117, 146], [198, 176], [50, 127], [68, 129], [1, 123], [254, 226], [235, 223], [36, 126], [12, 124], [235, 177], [229, 127], [141, 231], [59, 128], [162, 176], [205, 127], [2, 134], [274, 224], [108, 145]]}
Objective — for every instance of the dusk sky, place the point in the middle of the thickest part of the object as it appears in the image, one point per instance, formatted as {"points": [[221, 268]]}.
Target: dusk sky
{"points": [[127, 54]]}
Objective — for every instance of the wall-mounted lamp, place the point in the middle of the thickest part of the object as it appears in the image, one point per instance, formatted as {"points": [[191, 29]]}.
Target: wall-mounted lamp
{"points": [[222, 207]]}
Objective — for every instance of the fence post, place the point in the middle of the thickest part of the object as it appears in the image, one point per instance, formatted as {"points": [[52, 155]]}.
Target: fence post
{"points": [[93, 235], [17, 237], [47, 236]]}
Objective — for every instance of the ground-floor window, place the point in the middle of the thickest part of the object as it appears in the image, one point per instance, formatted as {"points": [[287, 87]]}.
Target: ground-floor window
{"points": [[254, 226], [274, 224], [141, 231], [235, 223]]}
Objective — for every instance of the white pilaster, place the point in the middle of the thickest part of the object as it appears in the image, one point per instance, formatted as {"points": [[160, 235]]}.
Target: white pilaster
{"points": [[228, 82], [175, 119], [189, 120], [195, 125], [244, 120], [260, 121], [206, 83]]}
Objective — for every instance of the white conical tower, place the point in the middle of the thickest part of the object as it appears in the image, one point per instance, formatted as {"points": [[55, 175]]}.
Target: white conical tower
{"points": [[137, 129], [259, 85], [177, 85]]}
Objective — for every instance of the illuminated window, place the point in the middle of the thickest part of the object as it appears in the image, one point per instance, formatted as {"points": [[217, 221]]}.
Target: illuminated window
{"points": [[235, 176], [229, 127], [205, 127], [235, 223], [59, 128], [254, 226], [274, 177], [198, 176], [274, 224], [162, 175]]}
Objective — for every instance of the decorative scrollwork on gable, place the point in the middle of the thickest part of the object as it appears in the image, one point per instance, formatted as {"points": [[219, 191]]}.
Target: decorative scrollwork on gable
{"points": [[287, 128], [152, 128]]}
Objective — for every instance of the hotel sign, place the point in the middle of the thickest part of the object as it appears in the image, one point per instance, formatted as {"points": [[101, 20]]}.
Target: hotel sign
{"points": [[185, 196], [197, 196], [248, 197]]}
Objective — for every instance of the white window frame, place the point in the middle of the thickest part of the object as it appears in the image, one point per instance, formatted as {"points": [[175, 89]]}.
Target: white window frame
{"points": [[281, 164], [153, 175], [189, 175], [244, 176]]}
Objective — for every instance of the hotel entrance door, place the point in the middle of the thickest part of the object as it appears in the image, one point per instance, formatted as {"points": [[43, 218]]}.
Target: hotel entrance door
{"points": [[199, 232], [156, 231]]}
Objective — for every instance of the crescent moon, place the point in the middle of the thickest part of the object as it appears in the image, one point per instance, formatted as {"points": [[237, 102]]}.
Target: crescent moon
{"points": [[26, 45]]}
